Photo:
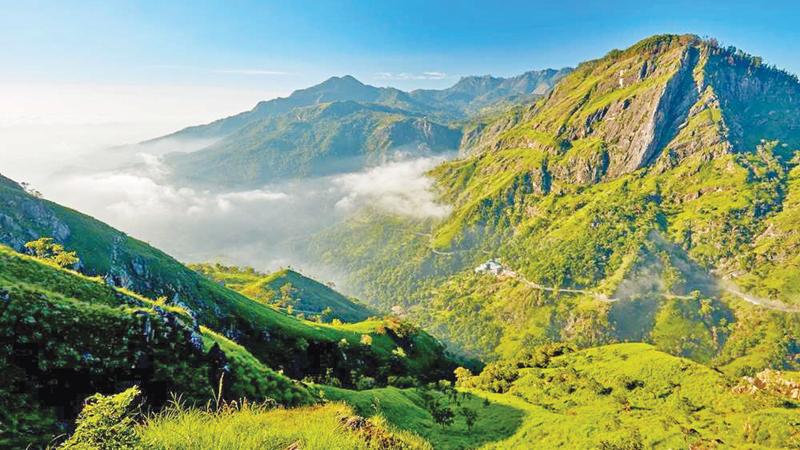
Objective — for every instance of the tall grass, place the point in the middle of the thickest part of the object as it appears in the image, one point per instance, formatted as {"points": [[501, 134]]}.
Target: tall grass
{"points": [[246, 425]]}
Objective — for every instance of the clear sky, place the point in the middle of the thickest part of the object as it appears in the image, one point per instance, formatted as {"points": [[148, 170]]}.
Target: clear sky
{"points": [[219, 56]]}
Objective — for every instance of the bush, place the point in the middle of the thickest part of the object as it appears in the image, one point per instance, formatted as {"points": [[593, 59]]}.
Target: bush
{"points": [[48, 250], [364, 383], [106, 422]]}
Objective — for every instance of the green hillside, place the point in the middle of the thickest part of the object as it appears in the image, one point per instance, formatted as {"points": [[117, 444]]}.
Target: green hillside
{"points": [[300, 348], [616, 396], [638, 180], [305, 295], [318, 140], [67, 336]]}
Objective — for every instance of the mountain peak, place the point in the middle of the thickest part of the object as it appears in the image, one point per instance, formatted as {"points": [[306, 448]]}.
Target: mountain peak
{"points": [[345, 80], [663, 99]]}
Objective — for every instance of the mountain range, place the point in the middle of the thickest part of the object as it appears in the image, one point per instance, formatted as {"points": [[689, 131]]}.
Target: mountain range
{"points": [[338, 126], [618, 270]]}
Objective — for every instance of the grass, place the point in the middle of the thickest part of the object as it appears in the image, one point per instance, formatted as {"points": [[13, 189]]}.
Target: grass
{"points": [[633, 393], [405, 409], [249, 426]]}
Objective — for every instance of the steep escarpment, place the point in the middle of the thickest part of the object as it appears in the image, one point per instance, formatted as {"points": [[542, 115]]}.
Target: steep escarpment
{"points": [[611, 200]]}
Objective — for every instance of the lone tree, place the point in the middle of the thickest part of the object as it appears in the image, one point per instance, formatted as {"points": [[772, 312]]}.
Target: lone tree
{"points": [[442, 415], [49, 250], [470, 417], [287, 292]]}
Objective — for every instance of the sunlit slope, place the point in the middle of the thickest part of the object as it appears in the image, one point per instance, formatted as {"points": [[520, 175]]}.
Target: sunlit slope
{"points": [[283, 342], [306, 295], [68, 336], [642, 177]]}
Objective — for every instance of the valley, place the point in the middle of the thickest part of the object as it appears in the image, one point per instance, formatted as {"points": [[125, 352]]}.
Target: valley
{"points": [[601, 257]]}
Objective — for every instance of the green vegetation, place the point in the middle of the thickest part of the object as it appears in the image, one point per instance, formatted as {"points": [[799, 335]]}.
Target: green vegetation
{"points": [[631, 393], [45, 248], [642, 293], [298, 347], [248, 426], [568, 196], [287, 288], [68, 336]]}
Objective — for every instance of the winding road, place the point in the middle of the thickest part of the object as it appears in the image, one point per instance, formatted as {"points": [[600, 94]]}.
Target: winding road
{"points": [[724, 286]]}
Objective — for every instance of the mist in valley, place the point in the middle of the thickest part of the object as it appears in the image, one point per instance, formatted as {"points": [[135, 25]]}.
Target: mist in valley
{"points": [[96, 170]]}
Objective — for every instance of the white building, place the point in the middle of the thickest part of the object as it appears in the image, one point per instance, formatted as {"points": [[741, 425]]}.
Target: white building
{"points": [[492, 266]]}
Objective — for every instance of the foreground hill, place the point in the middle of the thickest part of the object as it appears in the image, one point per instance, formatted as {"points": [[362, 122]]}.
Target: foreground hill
{"points": [[283, 342], [305, 295], [67, 336], [640, 178], [627, 396]]}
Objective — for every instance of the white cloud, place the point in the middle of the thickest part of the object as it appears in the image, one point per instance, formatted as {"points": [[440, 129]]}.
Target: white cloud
{"points": [[398, 187], [257, 72], [431, 75]]}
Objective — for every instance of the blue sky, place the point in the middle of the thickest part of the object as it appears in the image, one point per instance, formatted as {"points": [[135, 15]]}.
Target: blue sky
{"points": [[270, 48]]}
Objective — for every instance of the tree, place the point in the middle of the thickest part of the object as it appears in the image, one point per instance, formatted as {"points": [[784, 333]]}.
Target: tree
{"points": [[442, 415], [470, 417], [326, 314], [49, 250], [462, 375], [30, 189], [287, 295]]}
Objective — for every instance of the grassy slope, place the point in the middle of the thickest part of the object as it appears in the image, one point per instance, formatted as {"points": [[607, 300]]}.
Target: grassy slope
{"points": [[312, 296], [252, 428], [299, 347], [629, 392], [69, 336], [609, 395]]}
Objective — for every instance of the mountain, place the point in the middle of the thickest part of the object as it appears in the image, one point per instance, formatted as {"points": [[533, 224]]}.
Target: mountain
{"points": [[448, 103], [317, 140], [337, 126], [470, 95], [649, 196], [334, 89], [307, 296]]}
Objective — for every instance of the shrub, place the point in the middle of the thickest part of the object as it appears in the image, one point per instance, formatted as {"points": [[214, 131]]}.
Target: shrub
{"points": [[364, 383], [106, 422], [47, 249]]}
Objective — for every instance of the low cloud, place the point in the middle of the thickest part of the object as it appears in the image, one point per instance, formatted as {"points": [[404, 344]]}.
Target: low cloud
{"points": [[398, 187], [266, 228]]}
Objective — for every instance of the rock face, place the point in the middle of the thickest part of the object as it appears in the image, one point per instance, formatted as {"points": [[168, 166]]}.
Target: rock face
{"points": [[656, 103], [24, 218], [769, 381]]}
